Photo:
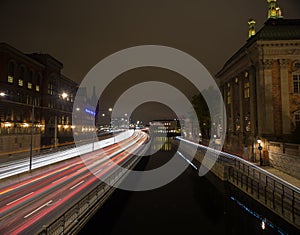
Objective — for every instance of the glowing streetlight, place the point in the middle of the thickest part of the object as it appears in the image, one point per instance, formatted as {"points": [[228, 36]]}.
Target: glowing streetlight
{"points": [[2, 94], [260, 148], [64, 95]]}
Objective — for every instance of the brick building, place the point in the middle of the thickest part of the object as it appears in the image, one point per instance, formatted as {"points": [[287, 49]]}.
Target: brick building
{"points": [[35, 94], [260, 84]]}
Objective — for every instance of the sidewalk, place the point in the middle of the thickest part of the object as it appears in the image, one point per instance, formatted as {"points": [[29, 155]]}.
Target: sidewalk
{"points": [[286, 177]]}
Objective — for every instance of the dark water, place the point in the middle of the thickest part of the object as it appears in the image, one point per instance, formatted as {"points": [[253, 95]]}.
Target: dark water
{"points": [[188, 205]]}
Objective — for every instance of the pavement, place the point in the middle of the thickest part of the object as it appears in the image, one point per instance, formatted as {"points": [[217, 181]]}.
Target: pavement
{"points": [[286, 177]]}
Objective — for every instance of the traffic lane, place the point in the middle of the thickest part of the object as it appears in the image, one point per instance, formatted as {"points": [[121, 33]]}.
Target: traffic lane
{"points": [[12, 190], [35, 194], [18, 167], [50, 204], [81, 180]]}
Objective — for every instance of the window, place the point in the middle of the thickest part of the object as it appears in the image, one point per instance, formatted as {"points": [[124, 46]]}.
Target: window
{"points": [[246, 90], [297, 119], [228, 94], [39, 81], [20, 82], [11, 70], [29, 84], [296, 82], [21, 78], [50, 88]]}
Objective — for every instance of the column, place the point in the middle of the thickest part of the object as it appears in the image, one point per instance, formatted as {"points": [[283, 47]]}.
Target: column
{"points": [[285, 103], [241, 111], [253, 112], [253, 102], [259, 96], [267, 106]]}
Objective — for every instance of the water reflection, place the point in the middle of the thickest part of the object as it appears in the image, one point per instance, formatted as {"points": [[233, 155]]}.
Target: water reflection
{"points": [[188, 205], [159, 143]]}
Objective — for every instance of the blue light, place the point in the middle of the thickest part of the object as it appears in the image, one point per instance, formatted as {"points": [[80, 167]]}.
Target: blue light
{"points": [[267, 222], [90, 112]]}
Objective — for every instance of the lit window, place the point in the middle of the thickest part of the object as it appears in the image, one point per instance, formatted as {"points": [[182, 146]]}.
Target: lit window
{"points": [[246, 90], [297, 119], [10, 79], [50, 88], [296, 82], [21, 78], [20, 82], [37, 87], [29, 85], [228, 97], [11, 70]]}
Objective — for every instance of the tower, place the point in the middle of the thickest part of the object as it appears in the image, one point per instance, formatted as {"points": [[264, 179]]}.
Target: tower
{"points": [[274, 11], [251, 23]]}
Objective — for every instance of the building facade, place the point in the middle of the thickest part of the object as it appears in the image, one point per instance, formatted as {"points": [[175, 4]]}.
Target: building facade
{"points": [[36, 100], [260, 84]]}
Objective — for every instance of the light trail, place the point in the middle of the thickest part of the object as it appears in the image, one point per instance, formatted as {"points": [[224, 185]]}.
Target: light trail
{"points": [[47, 194]]}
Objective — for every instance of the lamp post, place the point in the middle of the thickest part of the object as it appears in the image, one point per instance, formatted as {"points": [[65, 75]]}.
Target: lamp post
{"points": [[260, 149], [104, 114], [64, 95], [31, 139]]}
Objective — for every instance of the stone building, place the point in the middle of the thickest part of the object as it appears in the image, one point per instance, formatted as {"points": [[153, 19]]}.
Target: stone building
{"points": [[36, 101], [260, 84]]}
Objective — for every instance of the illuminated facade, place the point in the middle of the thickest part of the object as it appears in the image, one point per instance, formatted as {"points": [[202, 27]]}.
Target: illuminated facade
{"points": [[34, 92], [165, 127], [261, 87]]}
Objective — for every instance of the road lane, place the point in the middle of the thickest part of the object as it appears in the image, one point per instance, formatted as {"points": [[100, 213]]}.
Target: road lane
{"points": [[24, 206]]}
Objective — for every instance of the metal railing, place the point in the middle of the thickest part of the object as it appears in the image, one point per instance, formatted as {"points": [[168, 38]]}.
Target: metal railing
{"points": [[273, 192]]}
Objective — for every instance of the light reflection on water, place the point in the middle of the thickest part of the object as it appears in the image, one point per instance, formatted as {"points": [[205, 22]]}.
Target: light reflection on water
{"points": [[161, 143]]}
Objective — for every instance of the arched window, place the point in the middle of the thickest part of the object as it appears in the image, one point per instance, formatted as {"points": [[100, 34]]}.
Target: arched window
{"points": [[11, 72]]}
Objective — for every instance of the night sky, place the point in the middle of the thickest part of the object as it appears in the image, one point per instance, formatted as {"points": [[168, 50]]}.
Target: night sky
{"points": [[81, 33]]}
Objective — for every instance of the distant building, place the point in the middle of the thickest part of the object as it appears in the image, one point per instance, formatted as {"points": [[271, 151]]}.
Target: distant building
{"points": [[260, 84], [33, 90], [165, 127]]}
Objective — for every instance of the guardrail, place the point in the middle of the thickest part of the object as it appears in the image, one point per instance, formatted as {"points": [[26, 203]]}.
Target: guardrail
{"points": [[273, 192], [70, 221]]}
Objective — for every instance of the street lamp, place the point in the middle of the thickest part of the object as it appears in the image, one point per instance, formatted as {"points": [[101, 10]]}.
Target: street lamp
{"points": [[64, 95], [104, 114], [260, 149], [31, 138]]}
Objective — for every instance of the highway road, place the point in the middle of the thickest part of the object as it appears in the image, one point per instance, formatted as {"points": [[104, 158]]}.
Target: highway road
{"points": [[27, 205], [20, 166]]}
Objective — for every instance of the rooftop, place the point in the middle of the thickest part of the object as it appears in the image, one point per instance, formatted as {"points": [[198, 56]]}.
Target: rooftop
{"points": [[273, 30]]}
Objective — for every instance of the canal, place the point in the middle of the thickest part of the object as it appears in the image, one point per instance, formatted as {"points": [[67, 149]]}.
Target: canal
{"points": [[188, 205]]}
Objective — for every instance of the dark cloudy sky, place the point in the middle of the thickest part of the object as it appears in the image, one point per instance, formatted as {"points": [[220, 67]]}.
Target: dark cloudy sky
{"points": [[81, 33]]}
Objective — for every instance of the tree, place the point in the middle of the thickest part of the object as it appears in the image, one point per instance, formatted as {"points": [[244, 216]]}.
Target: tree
{"points": [[203, 114]]}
